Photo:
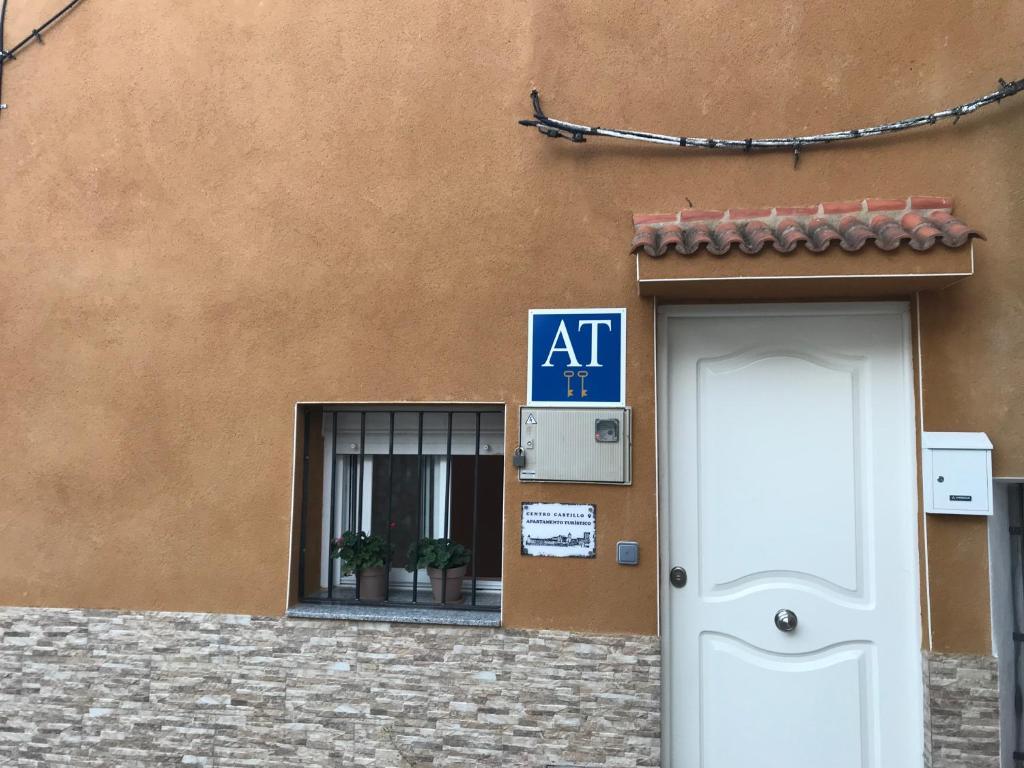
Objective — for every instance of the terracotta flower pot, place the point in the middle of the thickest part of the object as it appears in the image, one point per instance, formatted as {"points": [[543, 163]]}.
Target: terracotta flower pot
{"points": [[453, 592], [372, 583]]}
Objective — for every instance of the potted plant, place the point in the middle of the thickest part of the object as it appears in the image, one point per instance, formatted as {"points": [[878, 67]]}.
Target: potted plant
{"points": [[445, 561], [367, 557]]}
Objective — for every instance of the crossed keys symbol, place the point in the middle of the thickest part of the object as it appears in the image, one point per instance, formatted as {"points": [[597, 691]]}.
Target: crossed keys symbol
{"points": [[569, 375]]}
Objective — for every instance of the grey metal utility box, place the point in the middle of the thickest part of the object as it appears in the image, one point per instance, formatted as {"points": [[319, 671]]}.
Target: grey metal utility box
{"points": [[576, 445]]}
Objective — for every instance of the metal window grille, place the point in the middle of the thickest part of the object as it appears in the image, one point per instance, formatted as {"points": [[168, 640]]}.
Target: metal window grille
{"points": [[1015, 501], [402, 473]]}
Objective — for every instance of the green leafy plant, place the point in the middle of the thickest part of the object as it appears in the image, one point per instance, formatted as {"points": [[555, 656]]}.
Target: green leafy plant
{"points": [[437, 553], [357, 551]]}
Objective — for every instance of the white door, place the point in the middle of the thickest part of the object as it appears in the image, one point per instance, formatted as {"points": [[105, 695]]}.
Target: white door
{"points": [[787, 482]]}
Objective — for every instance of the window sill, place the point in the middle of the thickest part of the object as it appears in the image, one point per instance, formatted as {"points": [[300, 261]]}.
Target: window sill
{"points": [[395, 614]]}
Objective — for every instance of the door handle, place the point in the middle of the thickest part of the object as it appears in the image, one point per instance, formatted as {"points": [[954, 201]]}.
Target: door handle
{"points": [[785, 620], [677, 577]]}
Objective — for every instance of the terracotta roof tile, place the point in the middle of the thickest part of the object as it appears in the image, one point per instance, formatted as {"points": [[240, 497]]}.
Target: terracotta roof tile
{"points": [[920, 221]]}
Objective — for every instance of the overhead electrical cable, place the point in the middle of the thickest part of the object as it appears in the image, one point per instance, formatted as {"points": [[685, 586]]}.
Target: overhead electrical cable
{"points": [[577, 132], [36, 35]]}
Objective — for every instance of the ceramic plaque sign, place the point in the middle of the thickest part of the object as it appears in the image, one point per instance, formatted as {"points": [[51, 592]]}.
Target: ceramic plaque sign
{"points": [[559, 530]]}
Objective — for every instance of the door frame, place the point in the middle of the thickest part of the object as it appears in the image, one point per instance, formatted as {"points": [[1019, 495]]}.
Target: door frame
{"points": [[664, 312]]}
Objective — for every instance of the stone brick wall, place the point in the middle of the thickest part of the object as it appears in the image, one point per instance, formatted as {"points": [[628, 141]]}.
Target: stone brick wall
{"points": [[961, 711], [99, 688]]}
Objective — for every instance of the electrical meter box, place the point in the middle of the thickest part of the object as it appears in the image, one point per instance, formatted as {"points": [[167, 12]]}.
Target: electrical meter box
{"points": [[575, 445], [957, 470]]}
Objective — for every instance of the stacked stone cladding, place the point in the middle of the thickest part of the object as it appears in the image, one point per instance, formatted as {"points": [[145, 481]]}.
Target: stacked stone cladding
{"points": [[100, 688], [962, 711]]}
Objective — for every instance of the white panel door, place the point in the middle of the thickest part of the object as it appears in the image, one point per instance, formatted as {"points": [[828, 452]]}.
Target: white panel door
{"points": [[787, 480]]}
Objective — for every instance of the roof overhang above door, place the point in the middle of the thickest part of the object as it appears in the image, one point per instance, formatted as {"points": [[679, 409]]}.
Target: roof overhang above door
{"points": [[864, 248]]}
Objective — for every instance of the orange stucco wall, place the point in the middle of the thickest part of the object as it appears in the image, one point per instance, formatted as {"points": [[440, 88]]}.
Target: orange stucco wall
{"points": [[211, 211]]}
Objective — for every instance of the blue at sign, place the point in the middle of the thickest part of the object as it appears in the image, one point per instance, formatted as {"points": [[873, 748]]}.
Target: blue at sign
{"points": [[577, 357]]}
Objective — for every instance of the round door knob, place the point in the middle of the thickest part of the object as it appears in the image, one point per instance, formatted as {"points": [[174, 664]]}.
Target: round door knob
{"points": [[785, 620], [677, 577]]}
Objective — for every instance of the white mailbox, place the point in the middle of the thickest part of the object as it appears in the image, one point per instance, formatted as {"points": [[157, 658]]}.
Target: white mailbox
{"points": [[574, 445], [957, 473]]}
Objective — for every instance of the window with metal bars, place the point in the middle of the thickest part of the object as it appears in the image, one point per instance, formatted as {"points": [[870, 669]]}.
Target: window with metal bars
{"points": [[405, 475], [1015, 510]]}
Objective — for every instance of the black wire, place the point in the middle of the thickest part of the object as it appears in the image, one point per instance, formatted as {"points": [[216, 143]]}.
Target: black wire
{"points": [[35, 34]]}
